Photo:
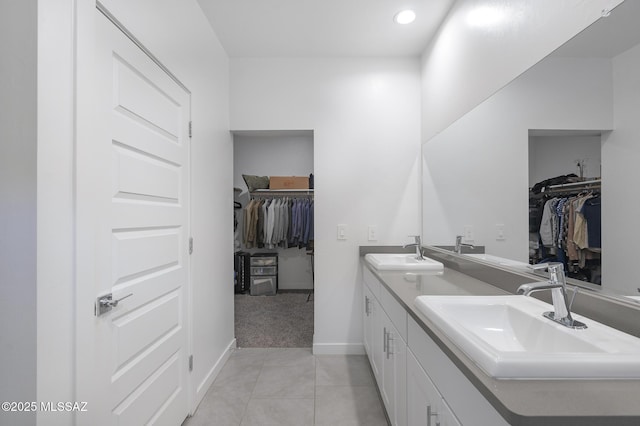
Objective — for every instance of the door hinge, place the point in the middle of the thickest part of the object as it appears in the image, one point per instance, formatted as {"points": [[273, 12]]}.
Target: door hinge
{"points": [[190, 362], [190, 128], [190, 245]]}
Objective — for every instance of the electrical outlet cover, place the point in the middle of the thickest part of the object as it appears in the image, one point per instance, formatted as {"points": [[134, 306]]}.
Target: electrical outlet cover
{"points": [[373, 233]]}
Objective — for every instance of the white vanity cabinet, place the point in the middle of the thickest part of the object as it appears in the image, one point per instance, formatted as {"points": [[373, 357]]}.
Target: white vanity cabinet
{"points": [[425, 405], [462, 403], [386, 346], [419, 384]]}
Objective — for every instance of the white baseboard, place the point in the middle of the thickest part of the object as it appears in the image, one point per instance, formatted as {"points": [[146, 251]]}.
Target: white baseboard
{"points": [[338, 349], [204, 386]]}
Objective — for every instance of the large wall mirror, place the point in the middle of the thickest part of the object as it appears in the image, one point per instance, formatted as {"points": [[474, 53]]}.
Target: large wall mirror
{"points": [[575, 112]]}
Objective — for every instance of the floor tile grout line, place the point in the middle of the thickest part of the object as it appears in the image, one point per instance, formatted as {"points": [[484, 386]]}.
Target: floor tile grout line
{"points": [[246, 406], [315, 388], [288, 358]]}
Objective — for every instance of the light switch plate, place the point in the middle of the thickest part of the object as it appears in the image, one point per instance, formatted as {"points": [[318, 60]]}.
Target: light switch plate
{"points": [[500, 232], [342, 232]]}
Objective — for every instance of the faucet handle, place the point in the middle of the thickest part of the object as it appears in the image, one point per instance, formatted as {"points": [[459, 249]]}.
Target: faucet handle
{"points": [[575, 291]]}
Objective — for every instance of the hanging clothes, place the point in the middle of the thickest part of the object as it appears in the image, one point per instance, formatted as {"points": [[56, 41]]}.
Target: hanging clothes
{"points": [[571, 228], [278, 222], [591, 210]]}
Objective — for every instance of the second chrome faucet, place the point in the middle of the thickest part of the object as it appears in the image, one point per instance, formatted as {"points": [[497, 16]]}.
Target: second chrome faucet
{"points": [[460, 244], [557, 283]]}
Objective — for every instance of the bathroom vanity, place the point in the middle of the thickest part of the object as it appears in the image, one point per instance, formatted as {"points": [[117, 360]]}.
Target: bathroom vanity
{"points": [[426, 379]]}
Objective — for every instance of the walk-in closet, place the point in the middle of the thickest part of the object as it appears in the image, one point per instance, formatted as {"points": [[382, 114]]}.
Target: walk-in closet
{"points": [[565, 201], [274, 197]]}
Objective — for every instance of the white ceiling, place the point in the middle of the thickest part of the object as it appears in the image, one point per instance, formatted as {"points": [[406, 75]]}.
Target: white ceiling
{"points": [[320, 28]]}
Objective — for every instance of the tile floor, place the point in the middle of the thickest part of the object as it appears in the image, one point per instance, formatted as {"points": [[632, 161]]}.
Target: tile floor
{"points": [[291, 387]]}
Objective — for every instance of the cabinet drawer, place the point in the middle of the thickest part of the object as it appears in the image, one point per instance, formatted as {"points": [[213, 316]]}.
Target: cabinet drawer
{"points": [[264, 261], [396, 312], [264, 270], [264, 286], [371, 281]]}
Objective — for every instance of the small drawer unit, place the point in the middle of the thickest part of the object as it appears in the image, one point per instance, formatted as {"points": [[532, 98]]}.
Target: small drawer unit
{"points": [[264, 274], [264, 270]]}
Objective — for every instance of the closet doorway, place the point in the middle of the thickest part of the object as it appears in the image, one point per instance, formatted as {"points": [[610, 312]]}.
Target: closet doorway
{"points": [[273, 238]]}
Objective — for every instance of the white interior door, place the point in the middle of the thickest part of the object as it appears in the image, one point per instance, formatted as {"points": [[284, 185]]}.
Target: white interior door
{"points": [[133, 210]]}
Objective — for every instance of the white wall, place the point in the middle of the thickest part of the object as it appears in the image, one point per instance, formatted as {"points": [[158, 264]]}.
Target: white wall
{"points": [[551, 156], [18, 22], [264, 154], [620, 159], [465, 63], [192, 52], [276, 154], [365, 114], [55, 266], [476, 171]]}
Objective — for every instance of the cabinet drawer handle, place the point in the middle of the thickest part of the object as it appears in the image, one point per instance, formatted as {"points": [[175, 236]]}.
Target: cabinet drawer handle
{"points": [[384, 339], [430, 414], [366, 305]]}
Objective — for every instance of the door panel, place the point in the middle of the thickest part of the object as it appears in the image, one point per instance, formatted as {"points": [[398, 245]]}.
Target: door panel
{"points": [[136, 95], [159, 390], [133, 187], [138, 330], [131, 181], [141, 252]]}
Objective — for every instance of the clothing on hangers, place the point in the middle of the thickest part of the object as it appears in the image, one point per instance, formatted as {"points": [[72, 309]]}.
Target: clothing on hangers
{"points": [[278, 222], [571, 231]]}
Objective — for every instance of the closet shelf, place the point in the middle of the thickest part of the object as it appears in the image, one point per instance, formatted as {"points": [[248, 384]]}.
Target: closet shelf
{"points": [[573, 187], [586, 184], [280, 192]]}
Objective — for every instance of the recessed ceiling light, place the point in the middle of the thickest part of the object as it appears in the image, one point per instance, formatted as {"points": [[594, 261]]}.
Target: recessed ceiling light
{"points": [[405, 17]]}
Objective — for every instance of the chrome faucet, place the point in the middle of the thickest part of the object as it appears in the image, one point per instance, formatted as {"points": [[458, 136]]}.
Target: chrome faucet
{"points": [[460, 244], [557, 283], [418, 246]]}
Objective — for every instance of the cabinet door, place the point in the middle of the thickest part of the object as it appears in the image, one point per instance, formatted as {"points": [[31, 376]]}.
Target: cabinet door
{"points": [[369, 327], [447, 418], [378, 349], [423, 399], [394, 372], [468, 404]]}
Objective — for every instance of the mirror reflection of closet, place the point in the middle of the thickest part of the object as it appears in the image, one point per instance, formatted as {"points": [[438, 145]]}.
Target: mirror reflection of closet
{"points": [[565, 170]]}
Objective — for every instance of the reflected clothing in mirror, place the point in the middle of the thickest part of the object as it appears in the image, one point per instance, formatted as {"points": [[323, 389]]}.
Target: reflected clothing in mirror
{"points": [[570, 232]]}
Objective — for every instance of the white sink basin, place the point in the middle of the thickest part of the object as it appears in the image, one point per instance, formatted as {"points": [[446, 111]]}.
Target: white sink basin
{"points": [[402, 262], [508, 337]]}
